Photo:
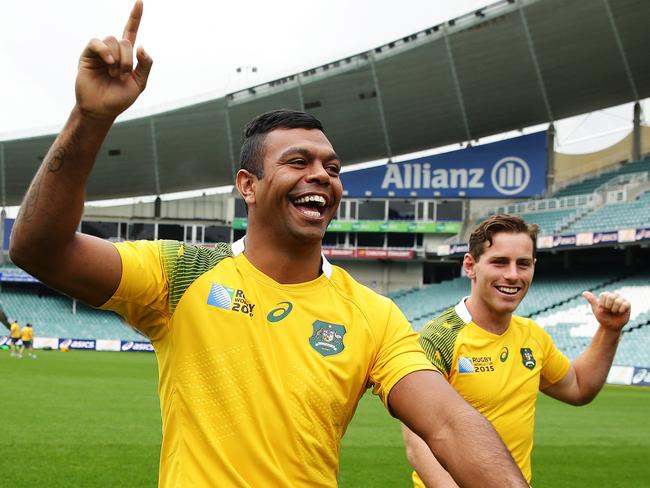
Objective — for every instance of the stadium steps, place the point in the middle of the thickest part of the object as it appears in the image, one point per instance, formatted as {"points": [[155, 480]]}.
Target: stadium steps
{"points": [[596, 288], [580, 215]]}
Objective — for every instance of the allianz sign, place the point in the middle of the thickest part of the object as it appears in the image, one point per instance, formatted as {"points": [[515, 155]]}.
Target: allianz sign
{"points": [[511, 168], [509, 176]]}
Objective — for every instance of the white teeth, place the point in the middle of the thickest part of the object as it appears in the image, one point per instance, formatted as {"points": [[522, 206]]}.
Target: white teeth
{"points": [[311, 198], [507, 289], [311, 213]]}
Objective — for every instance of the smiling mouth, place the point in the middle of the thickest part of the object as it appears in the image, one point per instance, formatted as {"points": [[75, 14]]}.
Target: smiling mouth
{"points": [[310, 205], [508, 290]]}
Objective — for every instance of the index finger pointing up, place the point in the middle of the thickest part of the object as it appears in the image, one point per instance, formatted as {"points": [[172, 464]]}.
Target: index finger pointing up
{"points": [[131, 29]]}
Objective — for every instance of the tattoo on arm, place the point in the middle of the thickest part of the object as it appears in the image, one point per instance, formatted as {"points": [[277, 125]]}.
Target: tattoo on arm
{"points": [[55, 162], [28, 208]]}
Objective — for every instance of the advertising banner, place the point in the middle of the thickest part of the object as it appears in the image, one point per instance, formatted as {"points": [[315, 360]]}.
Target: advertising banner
{"points": [[16, 275], [412, 227], [79, 344], [136, 346], [108, 345], [641, 376], [514, 168], [368, 253], [46, 342]]}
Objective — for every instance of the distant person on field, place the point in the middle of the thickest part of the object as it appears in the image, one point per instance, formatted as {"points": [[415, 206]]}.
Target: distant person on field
{"points": [[264, 348], [499, 361], [27, 336], [14, 337]]}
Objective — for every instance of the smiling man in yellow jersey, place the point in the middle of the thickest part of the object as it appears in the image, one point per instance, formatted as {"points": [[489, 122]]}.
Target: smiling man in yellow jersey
{"points": [[498, 361], [264, 348]]}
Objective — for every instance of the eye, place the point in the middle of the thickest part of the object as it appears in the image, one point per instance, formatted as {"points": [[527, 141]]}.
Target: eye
{"points": [[333, 169]]}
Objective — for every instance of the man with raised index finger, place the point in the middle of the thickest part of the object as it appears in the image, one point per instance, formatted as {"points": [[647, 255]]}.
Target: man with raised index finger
{"points": [[264, 348]]}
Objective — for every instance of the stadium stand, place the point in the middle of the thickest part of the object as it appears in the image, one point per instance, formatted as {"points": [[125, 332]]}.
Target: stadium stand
{"points": [[616, 216], [550, 222], [53, 315], [592, 183]]}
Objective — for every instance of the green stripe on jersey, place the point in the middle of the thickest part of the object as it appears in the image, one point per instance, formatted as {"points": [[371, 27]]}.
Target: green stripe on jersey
{"points": [[183, 264], [438, 337]]}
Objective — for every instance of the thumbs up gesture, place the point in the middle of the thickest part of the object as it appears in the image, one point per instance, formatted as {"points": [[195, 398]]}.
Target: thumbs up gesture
{"points": [[610, 309]]}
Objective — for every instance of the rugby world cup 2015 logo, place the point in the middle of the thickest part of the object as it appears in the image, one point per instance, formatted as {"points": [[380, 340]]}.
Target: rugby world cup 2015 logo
{"points": [[229, 299], [327, 338], [221, 296]]}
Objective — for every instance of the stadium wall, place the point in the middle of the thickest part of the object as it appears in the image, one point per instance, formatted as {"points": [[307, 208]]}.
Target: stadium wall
{"points": [[570, 167], [218, 207], [385, 276]]}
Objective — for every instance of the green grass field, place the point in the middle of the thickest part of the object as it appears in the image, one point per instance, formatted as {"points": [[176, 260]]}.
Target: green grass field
{"points": [[86, 419]]}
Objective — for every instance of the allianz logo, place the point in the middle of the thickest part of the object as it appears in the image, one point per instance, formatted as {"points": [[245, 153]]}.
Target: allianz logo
{"points": [[509, 176]]}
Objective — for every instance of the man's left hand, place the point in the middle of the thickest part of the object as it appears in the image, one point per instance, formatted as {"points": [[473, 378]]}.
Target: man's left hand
{"points": [[611, 310]]}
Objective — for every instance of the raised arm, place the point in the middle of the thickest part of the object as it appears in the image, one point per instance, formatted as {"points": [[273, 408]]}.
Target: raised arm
{"points": [[44, 241], [433, 410], [588, 372]]}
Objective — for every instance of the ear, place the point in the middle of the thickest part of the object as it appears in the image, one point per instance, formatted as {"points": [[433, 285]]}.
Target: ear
{"points": [[469, 265], [246, 183]]}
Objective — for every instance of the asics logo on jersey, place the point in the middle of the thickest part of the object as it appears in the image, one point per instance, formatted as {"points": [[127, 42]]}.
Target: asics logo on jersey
{"points": [[504, 354], [229, 299], [279, 313]]}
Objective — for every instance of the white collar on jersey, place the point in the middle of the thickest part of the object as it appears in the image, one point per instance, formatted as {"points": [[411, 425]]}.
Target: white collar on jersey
{"points": [[239, 245], [462, 312]]}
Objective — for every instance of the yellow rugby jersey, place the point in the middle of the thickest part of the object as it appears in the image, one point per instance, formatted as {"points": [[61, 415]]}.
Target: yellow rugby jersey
{"points": [[15, 330], [258, 380], [27, 334], [499, 375]]}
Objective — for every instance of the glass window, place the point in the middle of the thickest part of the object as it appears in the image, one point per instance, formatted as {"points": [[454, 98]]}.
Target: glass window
{"points": [[401, 210], [450, 210], [370, 239], [139, 231], [396, 239], [174, 232], [218, 233], [372, 210], [240, 208], [104, 230]]}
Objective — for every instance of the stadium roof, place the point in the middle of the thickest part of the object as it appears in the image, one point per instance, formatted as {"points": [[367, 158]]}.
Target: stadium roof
{"points": [[507, 66]]}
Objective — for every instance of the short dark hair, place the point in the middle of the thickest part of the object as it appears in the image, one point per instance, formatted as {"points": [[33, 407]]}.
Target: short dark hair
{"points": [[251, 156], [486, 230]]}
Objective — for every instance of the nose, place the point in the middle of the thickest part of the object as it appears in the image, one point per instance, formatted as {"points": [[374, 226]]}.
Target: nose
{"points": [[510, 273], [318, 173]]}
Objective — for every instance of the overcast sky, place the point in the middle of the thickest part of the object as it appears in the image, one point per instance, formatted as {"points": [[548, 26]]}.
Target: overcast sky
{"points": [[197, 46]]}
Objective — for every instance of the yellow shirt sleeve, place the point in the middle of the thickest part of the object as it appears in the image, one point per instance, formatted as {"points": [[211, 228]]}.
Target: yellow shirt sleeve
{"points": [[399, 353], [142, 295]]}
